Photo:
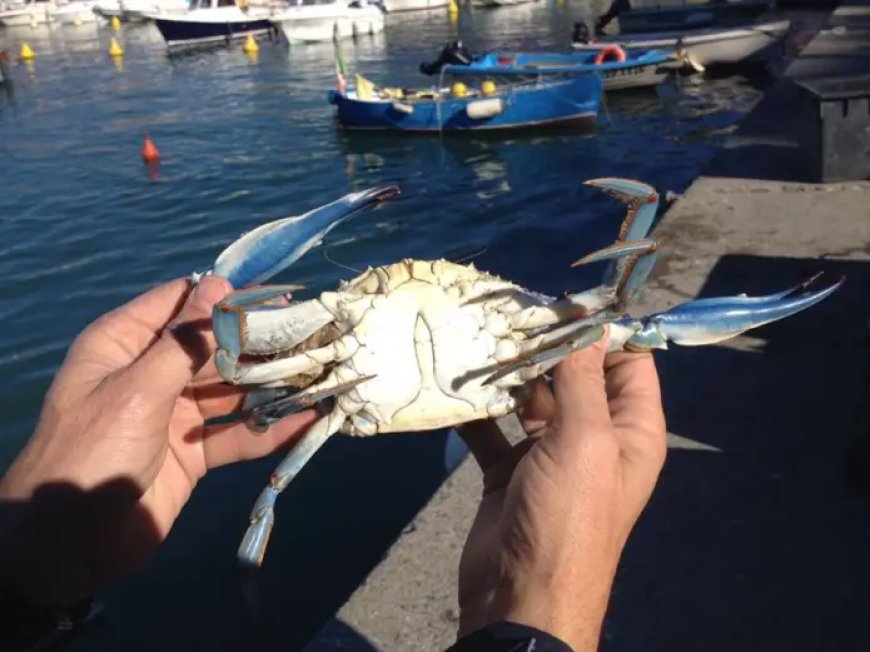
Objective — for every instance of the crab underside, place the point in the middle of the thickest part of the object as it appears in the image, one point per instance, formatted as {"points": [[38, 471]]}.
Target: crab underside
{"points": [[419, 345]]}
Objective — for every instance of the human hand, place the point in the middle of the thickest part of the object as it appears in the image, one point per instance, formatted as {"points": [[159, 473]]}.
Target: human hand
{"points": [[558, 507], [120, 444]]}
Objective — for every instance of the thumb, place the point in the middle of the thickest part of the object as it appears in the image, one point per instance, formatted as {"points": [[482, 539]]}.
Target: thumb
{"points": [[580, 391], [184, 346]]}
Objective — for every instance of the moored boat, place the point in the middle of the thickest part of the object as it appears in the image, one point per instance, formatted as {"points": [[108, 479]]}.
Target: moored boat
{"points": [[212, 21], [30, 12], [680, 16], [561, 103], [309, 21], [393, 6], [619, 68], [140, 10], [491, 4], [108, 9], [73, 13], [706, 47]]}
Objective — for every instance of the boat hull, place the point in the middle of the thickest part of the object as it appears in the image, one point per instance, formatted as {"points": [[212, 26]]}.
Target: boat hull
{"points": [[492, 4], [711, 47], [569, 103], [691, 16], [640, 69], [394, 6], [26, 16], [303, 29], [177, 31], [76, 13]]}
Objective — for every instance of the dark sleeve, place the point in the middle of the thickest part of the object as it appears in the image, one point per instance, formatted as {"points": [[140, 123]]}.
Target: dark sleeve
{"points": [[509, 637]]}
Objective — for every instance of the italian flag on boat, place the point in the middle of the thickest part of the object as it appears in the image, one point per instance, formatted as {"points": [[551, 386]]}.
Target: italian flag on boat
{"points": [[340, 71]]}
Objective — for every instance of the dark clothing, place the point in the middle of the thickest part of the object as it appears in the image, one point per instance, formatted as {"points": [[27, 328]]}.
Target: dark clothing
{"points": [[509, 637]]}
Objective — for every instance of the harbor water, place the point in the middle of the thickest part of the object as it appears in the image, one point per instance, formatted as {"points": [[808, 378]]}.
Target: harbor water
{"points": [[244, 139]]}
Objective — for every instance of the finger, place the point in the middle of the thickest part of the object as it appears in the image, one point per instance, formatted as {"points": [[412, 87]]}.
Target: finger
{"points": [[235, 443], [539, 409], [184, 346], [486, 442], [121, 335], [579, 390], [217, 399], [636, 411], [633, 391], [156, 307]]}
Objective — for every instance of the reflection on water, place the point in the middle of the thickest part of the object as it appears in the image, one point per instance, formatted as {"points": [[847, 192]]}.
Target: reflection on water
{"points": [[85, 226]]}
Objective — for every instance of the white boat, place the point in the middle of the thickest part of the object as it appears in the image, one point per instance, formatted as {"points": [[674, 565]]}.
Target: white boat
{"points": [[31, 12], [705, 47], [77, 12], [488, 4], [139, 10], [212, 21], [309, 21], [108, 8], [393, 6]]}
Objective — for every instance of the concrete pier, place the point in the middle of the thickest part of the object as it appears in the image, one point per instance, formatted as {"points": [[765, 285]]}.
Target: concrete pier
{"points": [[756, 536]]}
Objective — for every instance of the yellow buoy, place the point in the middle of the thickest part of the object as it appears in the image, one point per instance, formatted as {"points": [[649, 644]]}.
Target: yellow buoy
{"points": [[26, 53], [250, 45], [488, 87], [116, 23], [115, 49], [459, 90]]}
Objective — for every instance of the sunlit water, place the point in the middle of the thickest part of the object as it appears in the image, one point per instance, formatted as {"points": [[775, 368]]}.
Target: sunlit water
{"points": [[84, 227]]}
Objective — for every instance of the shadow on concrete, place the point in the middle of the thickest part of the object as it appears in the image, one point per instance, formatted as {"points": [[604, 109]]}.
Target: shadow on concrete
{"points": [[334, 524], [761, 545]]}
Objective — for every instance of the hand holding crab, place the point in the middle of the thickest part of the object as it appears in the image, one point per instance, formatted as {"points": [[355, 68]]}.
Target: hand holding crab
{"points": [[557, 507], [419, 345], [120, 445]]}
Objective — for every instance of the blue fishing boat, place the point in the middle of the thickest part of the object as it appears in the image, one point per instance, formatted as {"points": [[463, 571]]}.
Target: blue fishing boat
{"points": [[560, 103], [618, 68]]}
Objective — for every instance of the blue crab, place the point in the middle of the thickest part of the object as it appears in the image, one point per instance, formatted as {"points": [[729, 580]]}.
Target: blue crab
{"points": [[419, 345]]}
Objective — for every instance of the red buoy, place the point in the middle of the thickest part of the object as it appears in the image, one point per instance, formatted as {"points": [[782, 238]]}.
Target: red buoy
{"points": [[150, 153]]}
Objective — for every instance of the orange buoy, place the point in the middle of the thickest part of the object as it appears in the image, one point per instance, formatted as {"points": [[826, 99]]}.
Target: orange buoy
{"points": [[609, 52], [150, 153]]}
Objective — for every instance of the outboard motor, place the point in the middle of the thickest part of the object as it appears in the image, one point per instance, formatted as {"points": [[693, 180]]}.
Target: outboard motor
{"points": [[581, 33], [452, 53]]}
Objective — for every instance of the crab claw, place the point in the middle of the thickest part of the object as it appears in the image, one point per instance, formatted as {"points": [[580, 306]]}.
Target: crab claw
{"points": [[707, 321], [260, 254], [642, 201], [632, 256]]}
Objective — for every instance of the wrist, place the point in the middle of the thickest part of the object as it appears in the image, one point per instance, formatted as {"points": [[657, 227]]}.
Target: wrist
{"points": [[569, 607]]}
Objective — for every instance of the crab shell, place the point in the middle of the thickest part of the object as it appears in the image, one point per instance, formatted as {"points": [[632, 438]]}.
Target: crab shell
{"points": [[417, 328]]}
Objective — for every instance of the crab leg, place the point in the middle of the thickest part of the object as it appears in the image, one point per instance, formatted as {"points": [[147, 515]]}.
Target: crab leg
{"points": [[256, 538], [703, 321], [253, 545], [260, 254], [274, 372], [632, 256]]}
